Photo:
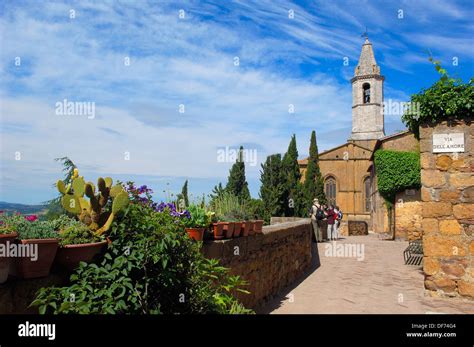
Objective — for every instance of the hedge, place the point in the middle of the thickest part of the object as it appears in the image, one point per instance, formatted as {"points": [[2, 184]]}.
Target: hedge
{"points": [[396, 171]]}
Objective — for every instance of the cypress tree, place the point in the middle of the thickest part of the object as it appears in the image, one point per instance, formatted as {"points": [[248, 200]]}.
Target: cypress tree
{"points": [[313, 186], [184, 194], [272, 190], [294, 202], [237, 183]]}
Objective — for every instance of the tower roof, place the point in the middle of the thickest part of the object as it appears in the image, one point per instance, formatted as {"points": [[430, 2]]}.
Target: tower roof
{"points": [[367, 64]]}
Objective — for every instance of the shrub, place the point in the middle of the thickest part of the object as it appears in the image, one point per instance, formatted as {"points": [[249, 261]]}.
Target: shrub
{"points": [[28, 230], [77, 234], [396, 171], [151, 267], [447, 99]]}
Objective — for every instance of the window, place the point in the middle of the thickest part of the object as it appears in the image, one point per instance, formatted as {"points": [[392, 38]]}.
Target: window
{"points": [[330, 190], [367, 194], [366, 92]]}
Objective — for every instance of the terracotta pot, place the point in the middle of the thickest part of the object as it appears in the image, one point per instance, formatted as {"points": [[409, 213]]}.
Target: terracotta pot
{"points": [[246, 226], [237, 229], [69, 256], [196, 234], [228, 229], [251, 227], [25, 267], [5, 261], [218, 230], [257, 226]]}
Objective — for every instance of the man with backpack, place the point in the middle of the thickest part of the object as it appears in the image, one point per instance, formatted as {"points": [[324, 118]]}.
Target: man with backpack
{"points": [[317, 215], [338, 213]]}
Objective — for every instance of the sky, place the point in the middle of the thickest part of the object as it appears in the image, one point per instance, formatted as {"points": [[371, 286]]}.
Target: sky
{"points": [[172, 88]]}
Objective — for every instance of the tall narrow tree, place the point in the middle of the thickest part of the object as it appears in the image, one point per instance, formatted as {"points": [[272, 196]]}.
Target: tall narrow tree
{"points": [[294, 201], [237, 184], [313, 186], [184, 194], [272, 190]]}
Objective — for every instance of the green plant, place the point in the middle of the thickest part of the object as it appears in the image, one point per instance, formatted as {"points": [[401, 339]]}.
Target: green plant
{"points": [[293, 203], [396, 171], [26, 229], [237, 183], [77, 234], [313, 186], [151, 267], [227, 207], [93, 212], [446, 99], [198, 217]]}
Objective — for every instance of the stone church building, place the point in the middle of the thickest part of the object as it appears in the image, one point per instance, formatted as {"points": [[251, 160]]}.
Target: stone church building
{"points": [[348, 170]]}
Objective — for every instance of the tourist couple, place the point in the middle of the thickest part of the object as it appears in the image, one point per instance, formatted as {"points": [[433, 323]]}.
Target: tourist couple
{"points": [[332, 214]]}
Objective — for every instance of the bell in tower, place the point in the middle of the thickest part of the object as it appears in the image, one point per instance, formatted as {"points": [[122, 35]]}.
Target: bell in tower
{"points": [[367, 97]]}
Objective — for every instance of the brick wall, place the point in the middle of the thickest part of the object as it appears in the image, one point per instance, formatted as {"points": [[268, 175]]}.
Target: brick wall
{"points": [[448, 213], [269, 261]]}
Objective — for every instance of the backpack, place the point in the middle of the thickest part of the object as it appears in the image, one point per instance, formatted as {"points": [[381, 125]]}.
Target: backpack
{"points": [[339, 215], [320, 214]]}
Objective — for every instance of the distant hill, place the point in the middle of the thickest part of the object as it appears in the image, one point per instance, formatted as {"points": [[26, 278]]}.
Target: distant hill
{"points": [[22, 208]]}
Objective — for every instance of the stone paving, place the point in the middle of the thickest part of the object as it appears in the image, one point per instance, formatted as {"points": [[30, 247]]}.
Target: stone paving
{"points": [[380, 283]]}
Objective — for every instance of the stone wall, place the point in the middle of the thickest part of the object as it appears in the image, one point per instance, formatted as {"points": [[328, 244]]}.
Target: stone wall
{"points": [[448, 213], [269, 261], [408, 215]]}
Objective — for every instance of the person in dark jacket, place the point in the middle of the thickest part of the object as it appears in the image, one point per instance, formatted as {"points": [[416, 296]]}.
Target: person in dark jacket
{"points": [[331, 218]]}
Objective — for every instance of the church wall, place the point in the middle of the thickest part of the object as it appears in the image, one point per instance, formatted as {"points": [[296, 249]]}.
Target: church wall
{"points": [[406, 225]]}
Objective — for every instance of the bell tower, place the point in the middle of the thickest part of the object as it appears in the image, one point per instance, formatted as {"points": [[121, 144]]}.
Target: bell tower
{"points": [[367, 97]]}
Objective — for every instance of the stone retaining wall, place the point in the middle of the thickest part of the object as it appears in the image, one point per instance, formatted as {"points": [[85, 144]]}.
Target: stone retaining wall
{"points": [[448, 213], [269, 261]]}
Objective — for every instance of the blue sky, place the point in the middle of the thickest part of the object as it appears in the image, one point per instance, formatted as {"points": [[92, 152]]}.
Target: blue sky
{"points": [[190, 61]]}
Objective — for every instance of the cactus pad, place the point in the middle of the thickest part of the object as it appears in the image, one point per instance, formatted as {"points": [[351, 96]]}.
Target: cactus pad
{"points": [[71, 203], [120, 202], [61, 187]]}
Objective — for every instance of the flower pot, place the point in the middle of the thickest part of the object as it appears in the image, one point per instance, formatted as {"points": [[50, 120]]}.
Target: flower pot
{"points": [[196, 234], [69, 256], [257, 226], [228, 229], [246, 226], [218, 230], [251, 227], [25, 267], [5, 261], [237, 229]]}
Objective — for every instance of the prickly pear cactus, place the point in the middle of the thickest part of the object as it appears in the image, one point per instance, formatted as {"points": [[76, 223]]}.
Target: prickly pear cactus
{"points": [[92, 212]]}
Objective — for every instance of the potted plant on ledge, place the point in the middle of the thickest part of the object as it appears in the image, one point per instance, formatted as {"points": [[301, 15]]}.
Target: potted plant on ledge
{"points": [[77, 244], [197, 223], [40, 243], [7, 236]]}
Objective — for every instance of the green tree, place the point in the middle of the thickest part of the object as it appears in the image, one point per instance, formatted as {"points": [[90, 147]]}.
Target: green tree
{"points": [[184, 195], [54, 208], [313, 186], [237, 184], [272, 190], [292, 176]]}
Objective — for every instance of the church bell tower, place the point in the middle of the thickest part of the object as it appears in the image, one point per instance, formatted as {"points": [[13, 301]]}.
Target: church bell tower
{"points": [[367, 97]]}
